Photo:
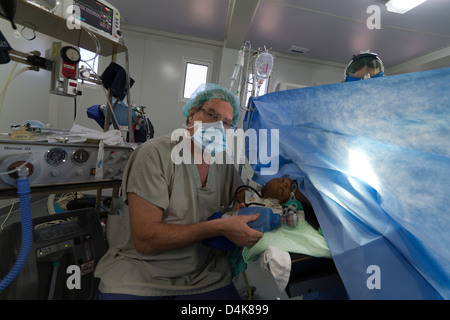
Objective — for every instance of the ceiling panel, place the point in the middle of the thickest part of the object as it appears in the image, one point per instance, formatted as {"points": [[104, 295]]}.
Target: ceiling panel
{"points": [[200, 18], [279, 24], [332, 29], [432, 16]]}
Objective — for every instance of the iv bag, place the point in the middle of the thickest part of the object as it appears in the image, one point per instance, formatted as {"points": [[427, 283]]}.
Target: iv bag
{"points": [[263, 65]]}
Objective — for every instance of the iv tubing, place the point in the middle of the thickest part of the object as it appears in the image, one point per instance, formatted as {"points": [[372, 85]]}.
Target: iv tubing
{"points": [[11, 77], [53, 281], [23, 190], [19, 167]]}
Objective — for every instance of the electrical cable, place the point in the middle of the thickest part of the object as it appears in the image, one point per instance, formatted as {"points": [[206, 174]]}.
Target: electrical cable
{"points": [[51, 204], [130, 117], [244, 186], [5, 86], [33, 28], [7, 216], [9, 76], [96, 203], [65, 198], [87, 62], [51, 292], [127, 69], [97, 45], [3, 91], [247, 284]]}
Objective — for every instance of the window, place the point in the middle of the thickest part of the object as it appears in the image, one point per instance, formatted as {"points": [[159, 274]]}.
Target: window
{"points": [[196, 72], [252, 82], [89, 60], [262, 89]]}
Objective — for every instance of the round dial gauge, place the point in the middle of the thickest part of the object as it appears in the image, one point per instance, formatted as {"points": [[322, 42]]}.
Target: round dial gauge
{"points": [[70, 54], [56, 156], [80, 156]]}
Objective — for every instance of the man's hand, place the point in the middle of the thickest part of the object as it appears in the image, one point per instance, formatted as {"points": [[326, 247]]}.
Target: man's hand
{"points": [[238, 232]]}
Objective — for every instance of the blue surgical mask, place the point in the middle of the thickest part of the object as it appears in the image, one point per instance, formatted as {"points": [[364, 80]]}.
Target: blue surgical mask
{"points": [[210, 137]]}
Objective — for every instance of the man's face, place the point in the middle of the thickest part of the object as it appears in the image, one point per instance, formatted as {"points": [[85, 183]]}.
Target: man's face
{"points": [[211, 111], [363, 72]]}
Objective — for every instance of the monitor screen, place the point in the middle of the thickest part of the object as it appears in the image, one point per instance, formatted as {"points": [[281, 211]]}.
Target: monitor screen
{"points": [[96, 14]]}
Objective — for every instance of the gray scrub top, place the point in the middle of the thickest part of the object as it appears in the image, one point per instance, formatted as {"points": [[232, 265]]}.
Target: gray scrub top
{"points": [[177, 189]]}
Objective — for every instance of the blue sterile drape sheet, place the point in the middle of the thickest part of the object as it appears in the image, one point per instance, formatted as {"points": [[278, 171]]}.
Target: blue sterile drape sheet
{"points": [[373, 157]]}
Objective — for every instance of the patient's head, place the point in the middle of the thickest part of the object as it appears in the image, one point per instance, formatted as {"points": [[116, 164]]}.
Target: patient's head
{"points": [[278, 188]]}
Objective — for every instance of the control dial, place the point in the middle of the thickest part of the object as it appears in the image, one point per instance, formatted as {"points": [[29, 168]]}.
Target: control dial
{"points": [[70, 54], [56, 156], [80, 156]]}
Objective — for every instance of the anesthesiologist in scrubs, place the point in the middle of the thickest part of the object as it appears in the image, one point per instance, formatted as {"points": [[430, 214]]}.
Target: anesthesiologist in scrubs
{"points": [[159, 254]]}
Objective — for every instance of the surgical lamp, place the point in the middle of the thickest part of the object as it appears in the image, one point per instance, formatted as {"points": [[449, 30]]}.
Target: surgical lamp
{"points": [[402, 6]]}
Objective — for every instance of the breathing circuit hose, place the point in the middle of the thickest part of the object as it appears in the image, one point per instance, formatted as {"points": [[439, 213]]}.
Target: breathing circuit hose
{"points": [[23, 190]]}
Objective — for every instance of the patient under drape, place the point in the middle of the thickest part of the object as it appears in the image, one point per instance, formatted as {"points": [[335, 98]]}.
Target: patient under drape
{"points": [[373, 158]]}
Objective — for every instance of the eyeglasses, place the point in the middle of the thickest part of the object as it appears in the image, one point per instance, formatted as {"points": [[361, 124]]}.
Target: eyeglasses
{"points": [[212, 116]]}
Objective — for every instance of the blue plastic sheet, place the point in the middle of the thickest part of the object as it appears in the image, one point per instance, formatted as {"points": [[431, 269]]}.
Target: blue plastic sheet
{"points": [[373, 157]]}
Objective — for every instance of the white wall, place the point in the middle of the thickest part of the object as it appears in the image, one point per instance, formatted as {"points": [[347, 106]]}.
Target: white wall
{"points": [[155, 65], [27, 96], [288, 70]]}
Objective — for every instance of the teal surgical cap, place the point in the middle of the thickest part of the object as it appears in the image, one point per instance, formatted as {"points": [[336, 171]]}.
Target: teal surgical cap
{"points": [[210, 91]]}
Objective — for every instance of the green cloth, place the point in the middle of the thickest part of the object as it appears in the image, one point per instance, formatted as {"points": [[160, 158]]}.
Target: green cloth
{"points": [[302, 239]]}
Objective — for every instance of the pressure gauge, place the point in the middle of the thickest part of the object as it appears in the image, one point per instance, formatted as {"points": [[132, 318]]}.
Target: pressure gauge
{"points": [[80, 156], [56, 156], [70, 54]]}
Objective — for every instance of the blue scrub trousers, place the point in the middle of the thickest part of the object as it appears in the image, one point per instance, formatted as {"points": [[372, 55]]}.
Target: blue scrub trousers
{"points": [[225, 293]]}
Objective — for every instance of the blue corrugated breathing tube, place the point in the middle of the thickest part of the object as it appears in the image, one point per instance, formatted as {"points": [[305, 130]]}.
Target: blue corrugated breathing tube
{"points": [[23, 190]]}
